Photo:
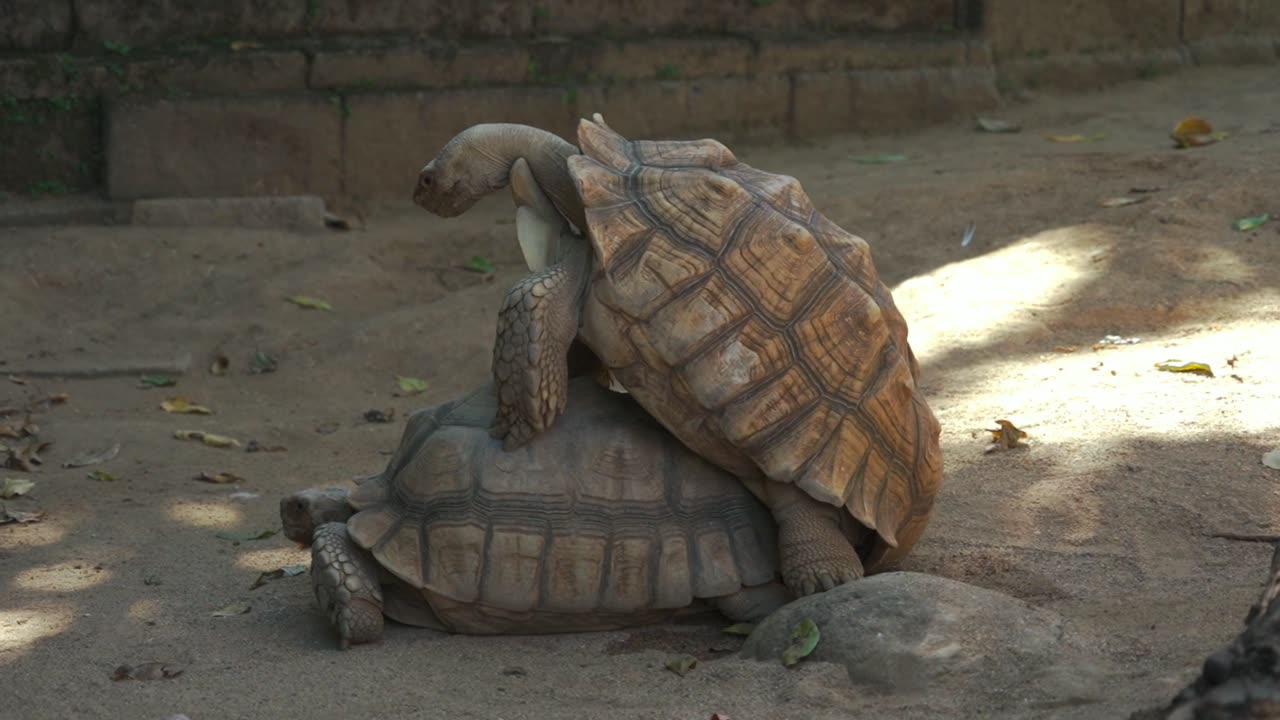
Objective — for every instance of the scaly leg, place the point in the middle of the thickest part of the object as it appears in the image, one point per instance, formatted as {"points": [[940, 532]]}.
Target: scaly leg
{"points": [[813, 551], [537, 324], [345, 581], [753, 604]]}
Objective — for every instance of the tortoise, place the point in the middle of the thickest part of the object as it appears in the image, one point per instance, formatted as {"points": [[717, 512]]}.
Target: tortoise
{"points": [[751, 326], [605, 521]]}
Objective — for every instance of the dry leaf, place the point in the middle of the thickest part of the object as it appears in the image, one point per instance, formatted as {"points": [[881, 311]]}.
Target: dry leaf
{"points": [[1065, 349], [682, 664], [411, 385], [101, 476], [24, 457], [17, 516], [284, 572], [147, 671], [1194, 132], [236, 608], [1074, 138], [238, 45], [804, 638], [1271, 459], [255, 446], [155, 381], [183, 406], [18, 431], [219, 365], [13, 487], [93, 457], [1005, 437], [1196, 368], [17, 380], [998, 126], [1122, 201], [218, 441], [308, 302], [222, 478]]}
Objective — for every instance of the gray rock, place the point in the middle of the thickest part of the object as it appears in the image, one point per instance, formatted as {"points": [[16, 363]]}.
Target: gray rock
{"points": [[906, 632]]}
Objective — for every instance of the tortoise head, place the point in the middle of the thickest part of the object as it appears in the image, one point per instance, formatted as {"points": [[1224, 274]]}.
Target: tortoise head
{"points": [[302, 512], [476, 162]]}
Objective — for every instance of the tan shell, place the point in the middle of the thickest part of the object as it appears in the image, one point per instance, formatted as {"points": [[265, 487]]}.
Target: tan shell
{"points": [[605, 513], [754, 328]]}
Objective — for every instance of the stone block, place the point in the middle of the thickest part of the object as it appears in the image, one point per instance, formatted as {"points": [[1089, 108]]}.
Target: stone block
{"points": [[639, 110], [221, 73], [390, 136], [452, 19], [421, 66], [740, 108], [1233, 50], [879, 101], [223, 147], [1020, 30], [141, 23], [35, 24], [50, 148], [300, 212], [671, 58], [857, 53]]}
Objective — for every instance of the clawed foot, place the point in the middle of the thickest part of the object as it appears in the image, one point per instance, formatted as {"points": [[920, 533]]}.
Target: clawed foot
{"points": [[818, 577], [346, 586], [814, 552]]}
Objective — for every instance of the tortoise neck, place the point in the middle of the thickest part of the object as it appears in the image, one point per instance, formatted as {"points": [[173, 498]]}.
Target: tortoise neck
{"points": [[548, 157]]}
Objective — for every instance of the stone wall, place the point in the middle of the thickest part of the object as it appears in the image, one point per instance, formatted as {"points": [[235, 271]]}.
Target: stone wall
{"points": [[150, 98]]}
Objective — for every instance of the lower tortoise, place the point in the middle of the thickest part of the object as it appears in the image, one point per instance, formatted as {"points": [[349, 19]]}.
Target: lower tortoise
{"points": [[752, 327], [603, 522]]}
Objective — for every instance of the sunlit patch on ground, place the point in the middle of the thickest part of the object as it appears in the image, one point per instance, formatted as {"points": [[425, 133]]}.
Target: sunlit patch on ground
{"points": [[206, 514], [63, 577], [273, 558], [22, 628]]}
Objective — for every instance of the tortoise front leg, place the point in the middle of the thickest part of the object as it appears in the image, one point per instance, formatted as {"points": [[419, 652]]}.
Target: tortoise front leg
{"points": [[345, 581], [537, 324]]}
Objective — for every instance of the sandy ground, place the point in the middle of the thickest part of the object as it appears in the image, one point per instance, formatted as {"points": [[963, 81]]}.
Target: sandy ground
{"points": [[1107, 518]]}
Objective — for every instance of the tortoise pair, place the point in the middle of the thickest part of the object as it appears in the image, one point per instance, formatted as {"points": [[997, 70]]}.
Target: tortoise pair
{"points": [[754, 330]]}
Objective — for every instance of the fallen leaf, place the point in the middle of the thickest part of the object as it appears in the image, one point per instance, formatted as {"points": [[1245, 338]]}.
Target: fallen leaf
{"points": [[242, 496], [969, 230], [218, 441], [147, 671], [156, 381], [739, 629], [284, 572], [682, 664], [1112, 341], [183, 406], [380, 416], [997, 126], [1194, 132], [1271, 459], [1144, 189], [1197, 368], [13, 487], [1251, 223], [219, 365], [478, 264], [101, 476], [17, 516], [1065, 349], [804, 638], [310, 303], [411, 385], [334, 221], [24, 457], [236, 608], [884, 159], [244, 537], [93, 457], [222, 478], [1075, 138], [17, 380], [1005, 437], [17, 432], [1122, 201], [255, 446], [261, 363], [238, 45]]}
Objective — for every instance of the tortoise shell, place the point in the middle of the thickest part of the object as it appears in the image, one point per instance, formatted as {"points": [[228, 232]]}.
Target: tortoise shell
{"points": [[605, 513], [754, 328]]}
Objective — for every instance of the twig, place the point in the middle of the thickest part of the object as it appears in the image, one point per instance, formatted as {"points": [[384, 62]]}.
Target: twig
{"points": [[177, 366]]}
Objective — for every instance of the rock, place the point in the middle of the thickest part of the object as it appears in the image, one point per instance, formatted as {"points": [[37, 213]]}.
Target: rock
{"points": [[906, 632]]}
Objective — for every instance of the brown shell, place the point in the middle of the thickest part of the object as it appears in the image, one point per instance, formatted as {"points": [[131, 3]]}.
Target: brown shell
{"points": [[604, 513], [754, 328]]}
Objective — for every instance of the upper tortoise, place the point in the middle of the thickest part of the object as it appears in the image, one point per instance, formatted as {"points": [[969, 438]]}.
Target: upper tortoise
{"points": [[751, 326]]}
